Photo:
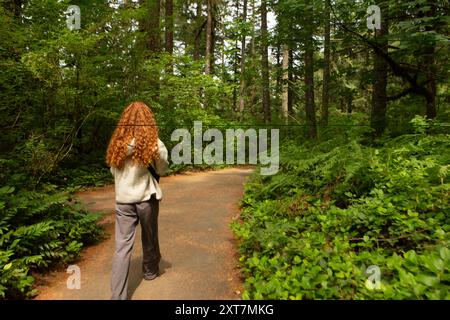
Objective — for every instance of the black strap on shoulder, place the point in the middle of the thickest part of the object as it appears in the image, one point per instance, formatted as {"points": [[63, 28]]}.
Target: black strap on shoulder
{"points": [[153, 172]]}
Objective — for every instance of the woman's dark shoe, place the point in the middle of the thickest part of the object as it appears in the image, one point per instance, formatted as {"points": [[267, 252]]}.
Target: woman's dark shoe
{"points": [[151, 276]]}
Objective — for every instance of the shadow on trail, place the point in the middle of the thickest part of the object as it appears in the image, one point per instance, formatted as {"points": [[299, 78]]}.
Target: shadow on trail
{"points": [[136, 275]]}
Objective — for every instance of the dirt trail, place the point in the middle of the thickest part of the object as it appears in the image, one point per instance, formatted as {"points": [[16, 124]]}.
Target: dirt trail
{"points": [[199, 259]]}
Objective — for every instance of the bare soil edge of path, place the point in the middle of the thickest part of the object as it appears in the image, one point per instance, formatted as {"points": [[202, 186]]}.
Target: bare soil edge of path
{"points": [[200, 258]]}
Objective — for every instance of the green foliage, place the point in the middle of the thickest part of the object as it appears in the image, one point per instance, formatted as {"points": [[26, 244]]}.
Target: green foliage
{"points": [[37, 231], [84, 175], [337, 207], [63, 91]]}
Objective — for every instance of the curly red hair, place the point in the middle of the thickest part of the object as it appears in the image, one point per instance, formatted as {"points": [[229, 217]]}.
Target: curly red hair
{"points": [[137, 121]]}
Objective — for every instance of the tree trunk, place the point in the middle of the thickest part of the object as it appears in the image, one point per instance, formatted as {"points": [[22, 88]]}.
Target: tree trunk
{"points": [[379, 97], [350, 103], [169, 32], [285, 84], [213, 37], [150, 26], [209, 37], [253, 22], [278, 86], [265, 63], [18, 8], [154, 32], [14, 6], [242, 88], [430, 69], [291, 96], [310, 107], [198, 31], [251, 53], [326, 67], [223, 60], [78, 107]]}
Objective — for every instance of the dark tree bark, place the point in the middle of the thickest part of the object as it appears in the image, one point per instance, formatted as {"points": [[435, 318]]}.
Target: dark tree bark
{"points": [[285, 85], [430, 69], [199, 28], [78, 106], [243, 83], [14, 6], [235, 68], [265, 63], [291, 95], [253, 23], [310, 107], [213, 37], [150, 26], [379, 96], [342, 104], [279, 67], [209, 37], [350, 103], [326, 67], [169, 32], [154, 32]]}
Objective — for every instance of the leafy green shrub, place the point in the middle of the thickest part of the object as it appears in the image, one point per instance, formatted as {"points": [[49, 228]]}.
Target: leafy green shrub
{"points": [[37, 231], [337, 207]]}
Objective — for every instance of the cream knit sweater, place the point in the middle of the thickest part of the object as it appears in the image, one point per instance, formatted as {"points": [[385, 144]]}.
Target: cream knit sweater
{"points": [[134, 183]]}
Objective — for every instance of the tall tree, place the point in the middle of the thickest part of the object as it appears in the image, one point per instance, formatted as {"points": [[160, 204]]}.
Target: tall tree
{"points": [[285, 84], [308, 43], [326, 66], [169, 31], [209, 52], [152, 26], [199, 23], [430, 66], [253, 22], [242, 86], [310, 106], [291, 80], [213, 35], [380, 74], [265, 63], [234, 64]]}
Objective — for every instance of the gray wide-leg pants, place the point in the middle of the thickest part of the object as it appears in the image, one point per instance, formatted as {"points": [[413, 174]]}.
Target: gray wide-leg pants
{"points": [[127, 218]]}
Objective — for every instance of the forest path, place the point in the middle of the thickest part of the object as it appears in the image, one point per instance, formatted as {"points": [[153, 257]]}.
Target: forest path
{"points": [[199, 258]]}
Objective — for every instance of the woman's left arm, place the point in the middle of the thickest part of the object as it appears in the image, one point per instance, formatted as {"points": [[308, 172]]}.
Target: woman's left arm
{"points": [[162, 164]]}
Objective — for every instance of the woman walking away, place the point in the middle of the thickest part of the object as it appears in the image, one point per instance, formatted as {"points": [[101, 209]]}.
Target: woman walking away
{"points": [[136, 157]]}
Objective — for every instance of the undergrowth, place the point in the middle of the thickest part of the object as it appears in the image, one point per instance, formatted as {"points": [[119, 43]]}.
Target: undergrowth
{"points": [[39, 230], [337, 207]]}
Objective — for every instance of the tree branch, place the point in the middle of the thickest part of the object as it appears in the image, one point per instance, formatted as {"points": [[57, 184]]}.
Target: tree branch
{"points": [[396, 68]]}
